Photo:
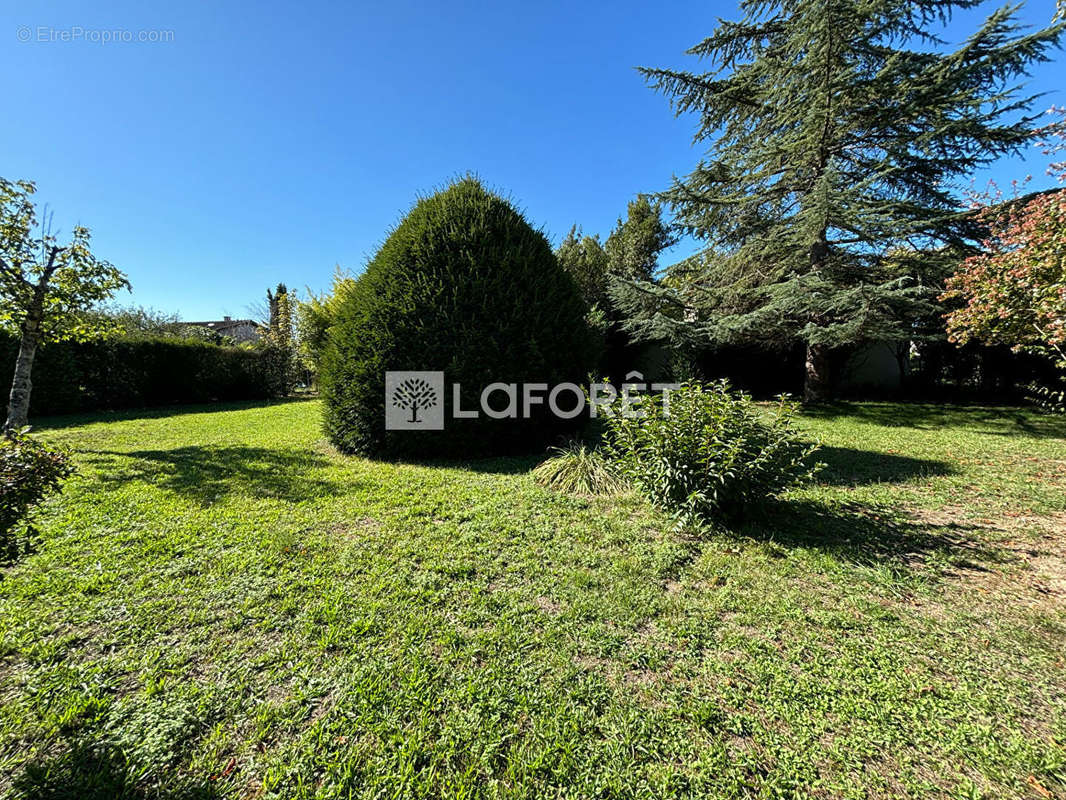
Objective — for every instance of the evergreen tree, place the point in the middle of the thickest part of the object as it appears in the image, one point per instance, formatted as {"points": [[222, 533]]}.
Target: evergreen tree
{"points": [[835, 129], [586, 261], [634, 245], [274, 300], [631, 252], [279, 341], [466, 285]]}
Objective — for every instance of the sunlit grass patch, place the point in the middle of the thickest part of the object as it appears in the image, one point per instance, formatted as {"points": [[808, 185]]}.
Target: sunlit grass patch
{"points": [[224, 607]]}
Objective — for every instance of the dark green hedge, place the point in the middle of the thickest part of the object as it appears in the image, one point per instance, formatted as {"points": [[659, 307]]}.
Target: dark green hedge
{"points": [[109, 374], [463, 285]]}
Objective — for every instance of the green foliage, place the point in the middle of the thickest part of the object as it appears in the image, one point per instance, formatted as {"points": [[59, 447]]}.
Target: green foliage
{"points": [[134, 321], [39, 275], [584, 258], [631, 252], [139, 322], [316, 315], [634, 245], [704, 452], [116, 372], [834, 134], [197, 333], [578, 469], [465, 285], [1050, 397], [45, 288], [29, 472], [280, 355]]}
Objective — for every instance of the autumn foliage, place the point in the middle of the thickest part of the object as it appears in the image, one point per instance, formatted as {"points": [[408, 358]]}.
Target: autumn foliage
{"points": [[1014, 291]]}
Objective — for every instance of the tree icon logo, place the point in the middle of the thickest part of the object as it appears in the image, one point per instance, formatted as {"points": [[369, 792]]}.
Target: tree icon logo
{"points": [[414, 401], [414, 394]]}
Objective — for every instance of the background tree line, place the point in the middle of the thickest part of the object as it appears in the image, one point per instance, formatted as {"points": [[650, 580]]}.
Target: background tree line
{"points": [[826, 205]]}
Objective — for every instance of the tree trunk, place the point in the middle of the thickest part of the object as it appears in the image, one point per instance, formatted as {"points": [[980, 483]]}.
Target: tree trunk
{"points": [[902, 353], [18, 406], [816, 384]]}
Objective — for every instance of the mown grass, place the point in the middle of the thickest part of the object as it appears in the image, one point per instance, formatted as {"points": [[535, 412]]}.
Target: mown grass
{"points": [[222, 607]]}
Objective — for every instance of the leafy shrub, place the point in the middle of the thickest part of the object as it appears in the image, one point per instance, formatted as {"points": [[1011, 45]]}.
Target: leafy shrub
{"points": [[465, 285], [1049, 397], [29, 472], [704, 452], [315, 316], [578, 468]]}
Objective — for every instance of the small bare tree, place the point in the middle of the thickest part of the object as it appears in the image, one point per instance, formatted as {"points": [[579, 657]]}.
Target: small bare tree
{"points": [[414, 394], [44, 288]]}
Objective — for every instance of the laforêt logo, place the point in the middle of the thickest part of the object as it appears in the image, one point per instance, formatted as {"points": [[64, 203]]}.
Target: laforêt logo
{"points": [[414, 400]]}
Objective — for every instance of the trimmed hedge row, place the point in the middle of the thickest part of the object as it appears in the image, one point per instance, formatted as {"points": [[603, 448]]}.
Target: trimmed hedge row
{"points": [[107, 374]]}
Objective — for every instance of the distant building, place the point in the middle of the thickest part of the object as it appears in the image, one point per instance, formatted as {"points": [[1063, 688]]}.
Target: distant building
{"points": [[240, 330]]}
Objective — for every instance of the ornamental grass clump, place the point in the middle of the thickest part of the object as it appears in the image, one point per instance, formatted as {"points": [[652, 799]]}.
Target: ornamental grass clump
{"points": [[578, 469], [703, 452]]}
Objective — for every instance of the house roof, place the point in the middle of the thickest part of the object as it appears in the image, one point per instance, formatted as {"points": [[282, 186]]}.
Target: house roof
{"points": [[221, 324]]}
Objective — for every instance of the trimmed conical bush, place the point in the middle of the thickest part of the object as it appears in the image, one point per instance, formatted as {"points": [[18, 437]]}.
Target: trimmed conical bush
{"points": [[466, 286]]}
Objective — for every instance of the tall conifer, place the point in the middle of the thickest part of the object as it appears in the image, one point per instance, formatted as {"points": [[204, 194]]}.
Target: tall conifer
{"points": [[835, 129]]}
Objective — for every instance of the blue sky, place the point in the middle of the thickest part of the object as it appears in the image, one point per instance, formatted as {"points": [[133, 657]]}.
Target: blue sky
{"points": [[270, 142]]}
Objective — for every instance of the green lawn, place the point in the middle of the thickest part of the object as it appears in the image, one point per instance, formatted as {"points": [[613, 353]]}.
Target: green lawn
{"points": [[221, 606]]}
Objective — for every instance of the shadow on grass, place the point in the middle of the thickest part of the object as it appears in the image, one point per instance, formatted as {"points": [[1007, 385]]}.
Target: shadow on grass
{"points": [[208, 472], [869, 535], [846, 466], [60, 422], [996, 420], [93, 771]]}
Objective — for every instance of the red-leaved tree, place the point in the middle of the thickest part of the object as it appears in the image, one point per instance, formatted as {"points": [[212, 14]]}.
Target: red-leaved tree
{"points": [[1014, 291]]}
